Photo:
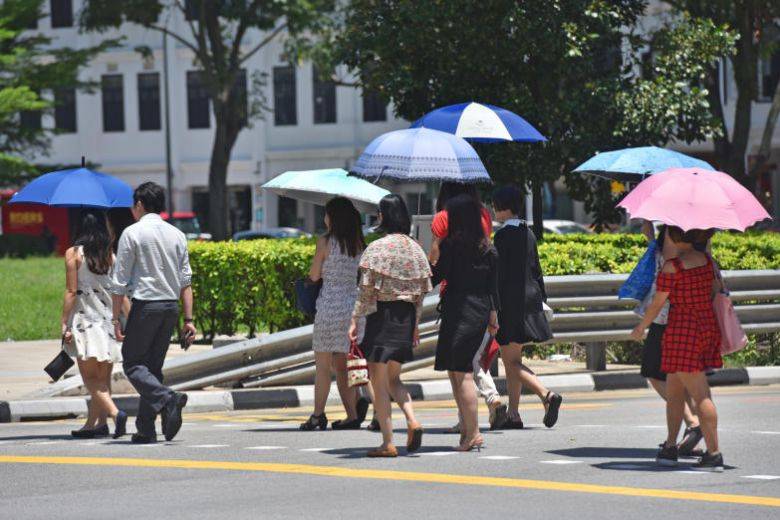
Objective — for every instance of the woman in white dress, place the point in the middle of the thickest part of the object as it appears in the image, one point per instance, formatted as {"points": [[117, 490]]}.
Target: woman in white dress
{"points": [[87, 331], [336, 264]]}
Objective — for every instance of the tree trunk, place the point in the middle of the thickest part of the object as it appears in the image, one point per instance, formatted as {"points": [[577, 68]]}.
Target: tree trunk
{"points": [[538, 209], [224, 139]]}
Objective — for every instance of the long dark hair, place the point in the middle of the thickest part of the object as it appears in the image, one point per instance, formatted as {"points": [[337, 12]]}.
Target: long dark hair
{"points": [[464, 230], [94, 237], [395, 216], [449, 190], [345, 226]]}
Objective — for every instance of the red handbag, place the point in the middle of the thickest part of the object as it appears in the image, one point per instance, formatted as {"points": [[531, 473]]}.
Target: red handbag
{"points": [[357, 366]]}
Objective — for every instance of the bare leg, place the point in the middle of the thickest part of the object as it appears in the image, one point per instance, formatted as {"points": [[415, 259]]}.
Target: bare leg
{"points": [[348, 395], [513, 385], [400, 394], [675, 403], [688, 415], [322, 376], [463, 386], [103, 392], [456, 396], [696, 385], [91, 377], [380, 384]]}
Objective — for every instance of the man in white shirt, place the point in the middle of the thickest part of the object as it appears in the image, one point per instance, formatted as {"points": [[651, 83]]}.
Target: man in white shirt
{"points": [[153, 267]]}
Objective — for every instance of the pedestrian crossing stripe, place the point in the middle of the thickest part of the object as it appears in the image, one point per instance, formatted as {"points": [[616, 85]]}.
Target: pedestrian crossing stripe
{"points": [[401, 476]]}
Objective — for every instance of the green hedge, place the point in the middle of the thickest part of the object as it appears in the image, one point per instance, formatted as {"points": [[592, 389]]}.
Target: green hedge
{"points": [[249, 285], [22, 246]]}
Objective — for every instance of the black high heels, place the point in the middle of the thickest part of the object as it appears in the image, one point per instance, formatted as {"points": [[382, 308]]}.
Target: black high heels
{"points": [[314, 422]]}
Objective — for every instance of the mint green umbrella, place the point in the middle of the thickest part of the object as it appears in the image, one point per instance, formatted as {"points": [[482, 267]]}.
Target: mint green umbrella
{"points": [[319, 186]]}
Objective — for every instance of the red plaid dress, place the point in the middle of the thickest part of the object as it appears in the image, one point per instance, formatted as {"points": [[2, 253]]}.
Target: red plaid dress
{"points": [[690, 342]]}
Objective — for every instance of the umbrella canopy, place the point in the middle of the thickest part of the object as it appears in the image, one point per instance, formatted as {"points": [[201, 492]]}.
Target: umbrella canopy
{"points": [[319, 186], [480, 123], [76, 188], [420, 155], [694, 198], [634, 164]]}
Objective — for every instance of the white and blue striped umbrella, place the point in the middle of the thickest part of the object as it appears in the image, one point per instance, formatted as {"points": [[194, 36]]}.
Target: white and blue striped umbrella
{"points": [[480, 123], [420, 155], [634, 164]]}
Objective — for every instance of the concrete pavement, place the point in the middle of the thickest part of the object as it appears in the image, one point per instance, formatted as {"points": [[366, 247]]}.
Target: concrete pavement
{"points": [[596, 463]]}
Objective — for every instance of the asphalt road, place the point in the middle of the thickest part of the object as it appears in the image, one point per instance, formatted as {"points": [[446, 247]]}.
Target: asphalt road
{"points": [[596, 463]]}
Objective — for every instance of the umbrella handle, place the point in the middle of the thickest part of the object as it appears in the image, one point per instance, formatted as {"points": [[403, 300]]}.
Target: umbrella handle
{"points": [[380, 175]]}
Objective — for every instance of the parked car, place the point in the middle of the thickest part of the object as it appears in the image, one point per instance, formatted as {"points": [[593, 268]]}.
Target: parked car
{"points": [[187, 222], [558, 227], [283, 232]]}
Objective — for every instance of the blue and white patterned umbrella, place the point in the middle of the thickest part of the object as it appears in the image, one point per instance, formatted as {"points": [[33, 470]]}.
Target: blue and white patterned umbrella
{"points": [[420, 155], [480, 123], [634, 164]]}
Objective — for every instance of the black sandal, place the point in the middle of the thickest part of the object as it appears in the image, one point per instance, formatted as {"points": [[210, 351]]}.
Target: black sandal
{"points": [[342, 424], [362, 408], [314, 422], [553, 401], [513, 423], [373, 426]]}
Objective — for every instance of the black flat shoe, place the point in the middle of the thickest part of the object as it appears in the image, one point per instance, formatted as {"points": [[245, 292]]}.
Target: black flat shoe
{"points": [[691, 438], [513, 424], [102, 431], [83, 433], [314, 422], [362, 409], [354, 424], [373, 426], [553, 401], [137, 438], [172, 419], [120, 428]]}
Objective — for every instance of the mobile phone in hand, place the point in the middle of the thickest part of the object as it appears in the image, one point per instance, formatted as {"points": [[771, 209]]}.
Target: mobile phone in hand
{"points": [[186, 339]]}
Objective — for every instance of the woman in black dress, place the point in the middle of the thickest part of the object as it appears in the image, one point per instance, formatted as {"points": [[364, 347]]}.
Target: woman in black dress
{"points": [[521, 317], [468, 307]]}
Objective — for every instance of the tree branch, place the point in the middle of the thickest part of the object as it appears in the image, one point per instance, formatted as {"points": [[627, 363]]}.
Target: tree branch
{"points": [[242, 28], [263, 43], [764, 150], [176, 37]]}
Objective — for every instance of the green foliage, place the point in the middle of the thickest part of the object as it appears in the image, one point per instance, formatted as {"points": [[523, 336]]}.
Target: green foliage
{"points": [[22, 246], [28, 66], [761, 350]]}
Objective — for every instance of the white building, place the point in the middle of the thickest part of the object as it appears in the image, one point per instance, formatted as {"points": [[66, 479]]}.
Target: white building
{"points": [[313, 125]]}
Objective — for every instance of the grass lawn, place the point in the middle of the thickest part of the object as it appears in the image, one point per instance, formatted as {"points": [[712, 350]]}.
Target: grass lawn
{"points": [[31, 298]]}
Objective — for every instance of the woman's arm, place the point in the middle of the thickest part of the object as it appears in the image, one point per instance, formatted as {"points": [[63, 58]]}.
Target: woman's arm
{"points": [[441, 267], [659, 300], [648, 230], [365, 303], [536, 265], [320, 254], [71, 288]]}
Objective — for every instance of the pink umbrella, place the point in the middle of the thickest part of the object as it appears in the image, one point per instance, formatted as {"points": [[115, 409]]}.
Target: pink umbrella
{"points": [[693, 198]]}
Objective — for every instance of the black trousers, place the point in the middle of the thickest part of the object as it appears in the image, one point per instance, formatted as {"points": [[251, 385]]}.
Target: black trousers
{"points": [[147, 337]]}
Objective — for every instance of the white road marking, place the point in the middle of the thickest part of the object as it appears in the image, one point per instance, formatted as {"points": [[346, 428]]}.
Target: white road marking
{"points": [[590, 425], [561, 462], [42, 443], [438, 453], [651, 427], [91, 443], [499, 457], [266, 448], [208, 446], [766, 433], [762, 477], [228, 425], [318, 449], [691, 472]]}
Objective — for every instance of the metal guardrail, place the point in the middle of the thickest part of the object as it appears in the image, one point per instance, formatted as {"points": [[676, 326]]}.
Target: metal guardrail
{"points": [[587, 311]]}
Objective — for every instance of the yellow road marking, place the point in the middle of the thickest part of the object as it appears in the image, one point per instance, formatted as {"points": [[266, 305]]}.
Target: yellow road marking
{"points": [[405, 476]]}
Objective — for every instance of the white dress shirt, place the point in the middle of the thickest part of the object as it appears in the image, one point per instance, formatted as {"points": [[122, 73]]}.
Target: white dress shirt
{"points": [[152, 262]]}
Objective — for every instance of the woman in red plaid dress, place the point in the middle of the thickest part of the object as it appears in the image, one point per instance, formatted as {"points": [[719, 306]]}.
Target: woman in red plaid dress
{"points": [[691, 342]]}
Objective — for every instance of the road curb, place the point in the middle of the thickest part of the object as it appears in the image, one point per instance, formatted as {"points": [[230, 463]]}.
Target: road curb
{"points": [[294, 396]]}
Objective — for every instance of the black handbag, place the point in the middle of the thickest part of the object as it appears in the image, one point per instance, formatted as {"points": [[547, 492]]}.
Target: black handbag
{"points": [[306, 294], [59, 365]]}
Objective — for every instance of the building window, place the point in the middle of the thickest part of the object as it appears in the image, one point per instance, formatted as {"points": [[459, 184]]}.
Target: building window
{"points": [[239, 90], [30, 119], [149, 101], [769, 70], [324, 99], [287, 212], [113, 103], [374, 107], [197, 101], [192, 9], [61, 13], [65, 110], [285, 109]]}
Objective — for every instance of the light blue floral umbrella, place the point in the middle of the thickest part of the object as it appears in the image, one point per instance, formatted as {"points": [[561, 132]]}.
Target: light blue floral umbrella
{"points": [[420, 155], [319, 186], [634, 164]]}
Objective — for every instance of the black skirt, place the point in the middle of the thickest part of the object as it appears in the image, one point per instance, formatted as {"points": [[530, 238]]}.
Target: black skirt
{"points": [[389, 334], [464, 320], [518, 328]]}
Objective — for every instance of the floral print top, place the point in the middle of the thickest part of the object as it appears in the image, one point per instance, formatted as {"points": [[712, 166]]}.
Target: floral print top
{"points": [[393, 268]]}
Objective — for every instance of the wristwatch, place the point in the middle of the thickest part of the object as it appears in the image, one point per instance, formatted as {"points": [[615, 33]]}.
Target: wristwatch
{"points": [[187, 320]]}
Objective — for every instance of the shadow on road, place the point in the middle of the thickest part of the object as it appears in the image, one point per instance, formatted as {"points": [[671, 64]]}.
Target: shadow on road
{"points": [[360, 452], [39, 438], [651, 466], [607, 453]]}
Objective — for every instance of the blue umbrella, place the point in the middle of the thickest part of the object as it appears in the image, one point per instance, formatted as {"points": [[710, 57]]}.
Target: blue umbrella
{"points": [[420, 155], [634, 164], [79, 187], [480, 123], [319, 186]]}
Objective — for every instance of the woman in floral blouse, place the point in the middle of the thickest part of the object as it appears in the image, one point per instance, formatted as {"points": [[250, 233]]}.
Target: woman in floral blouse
{"points": [[394, 278]]}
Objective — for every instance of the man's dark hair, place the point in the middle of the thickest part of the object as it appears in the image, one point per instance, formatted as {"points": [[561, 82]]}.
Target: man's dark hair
{"points": [[151, 196], [508, 198], [395, 216]]}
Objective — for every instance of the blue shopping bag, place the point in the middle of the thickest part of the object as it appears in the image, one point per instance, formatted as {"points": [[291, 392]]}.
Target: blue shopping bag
{"points": [[641, 279], [306, 294]]}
